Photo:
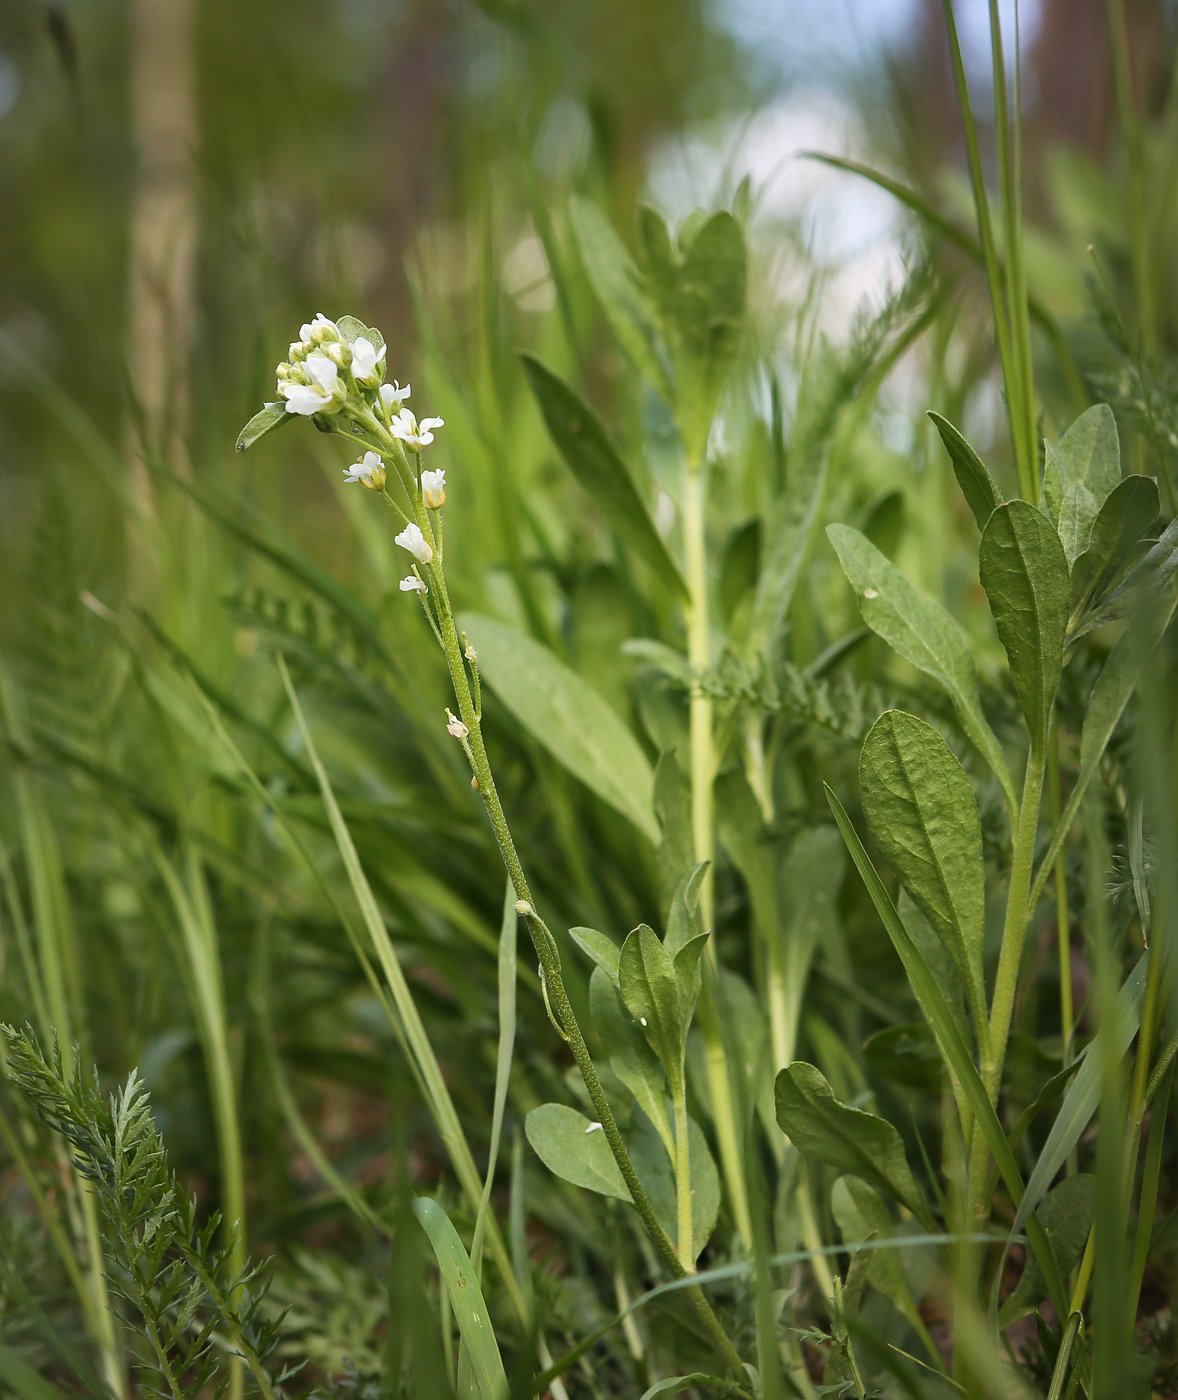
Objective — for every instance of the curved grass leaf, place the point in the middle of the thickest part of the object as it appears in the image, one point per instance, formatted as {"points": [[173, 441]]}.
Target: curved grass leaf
{"points": [[922, 632], [973, 476], [821, 1127], [958, 1060], [1025, 575], [574, 1149], [466, 1300], [923, 819], [563, 711], [1066, 1215], [587, 448], [19, 1377]]}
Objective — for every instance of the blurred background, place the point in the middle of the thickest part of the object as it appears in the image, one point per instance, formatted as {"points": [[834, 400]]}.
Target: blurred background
{"points": [[183, 183]]}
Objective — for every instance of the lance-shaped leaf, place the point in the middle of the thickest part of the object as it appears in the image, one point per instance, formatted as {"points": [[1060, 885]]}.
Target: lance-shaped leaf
{"points": [[973, 476], [263, 422], [619, 287], [861, 1215], [844, 1137], [569, 717], [587, 448], [600, 947], [1025, 575], [660, 992], [1088, 454], [1076, 516], [1128, 512], [924, 820], [574, 1149], [923, 633], [1142, 584]]}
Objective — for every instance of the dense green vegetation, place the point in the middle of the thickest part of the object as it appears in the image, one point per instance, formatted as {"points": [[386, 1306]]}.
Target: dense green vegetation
{"points": [[701, 923]]}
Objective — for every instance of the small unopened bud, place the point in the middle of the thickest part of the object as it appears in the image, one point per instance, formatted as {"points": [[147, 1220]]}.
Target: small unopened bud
{"points": [[474, 782], [523, 907], [470, 653]]}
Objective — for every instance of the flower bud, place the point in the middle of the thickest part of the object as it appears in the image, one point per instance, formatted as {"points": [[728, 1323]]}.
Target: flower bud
{"points": [[433, 489], [456, 726]]}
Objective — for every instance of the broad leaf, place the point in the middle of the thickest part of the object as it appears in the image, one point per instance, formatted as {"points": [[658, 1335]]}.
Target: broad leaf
{"points": [[600, 947], [1025, 575], [587, 448], [351, 328], [1066, 1215], [618, 284], [843, 1137], [569, 717], [660, 992], [923, 633], [1128, 512], [466, 1299], [973, 476], [263, 422], [574, 1149], [906, 1054], [924, 820], [1088, 454]]}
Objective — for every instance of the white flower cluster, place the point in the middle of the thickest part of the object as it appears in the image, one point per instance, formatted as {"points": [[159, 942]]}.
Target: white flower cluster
{"points": [[323, 366]]}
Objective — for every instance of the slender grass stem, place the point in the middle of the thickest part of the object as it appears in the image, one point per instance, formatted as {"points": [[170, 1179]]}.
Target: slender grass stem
{"points": [[1063, 938], [686, 1228]]}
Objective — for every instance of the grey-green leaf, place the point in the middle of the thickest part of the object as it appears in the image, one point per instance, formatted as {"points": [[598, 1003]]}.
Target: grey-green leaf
{"points": [[569, 717], [973, 476], [587, 448], [1025, 575], [923, 819], [844, 1137], [600, 947], [263, 422], [1076, 514], [923, 633], [618, 285], [1128, 512], [660, 992], [574, 1149], [860, 1215], [1088, 454], [466, 1299]]}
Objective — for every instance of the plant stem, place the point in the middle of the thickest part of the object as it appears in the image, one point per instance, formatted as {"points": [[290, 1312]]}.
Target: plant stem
{"points": [[548, 954], [703, 774], [686, 1231], [1055, 797]]}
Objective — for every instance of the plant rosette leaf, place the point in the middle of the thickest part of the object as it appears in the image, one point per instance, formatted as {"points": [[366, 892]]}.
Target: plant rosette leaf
{"points": [[575, 1149], [1088, 455], [1025, 574], [861, 1214], [660, 989], [849, 1139], [923, 819], [921, 632]]}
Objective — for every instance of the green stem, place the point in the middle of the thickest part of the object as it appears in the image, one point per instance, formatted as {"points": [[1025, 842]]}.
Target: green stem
{"points": [[548, 954], [1055, 797], [1147, 1202], [703, 775], [686, 1225]]}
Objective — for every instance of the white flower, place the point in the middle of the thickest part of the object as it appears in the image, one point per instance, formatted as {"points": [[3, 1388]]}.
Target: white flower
{"points": [[433, 489], [394, 394], [416, 543], [317, 396], [319, 330], [365, 361], [412, 584], [369, 471], [407, 428]]}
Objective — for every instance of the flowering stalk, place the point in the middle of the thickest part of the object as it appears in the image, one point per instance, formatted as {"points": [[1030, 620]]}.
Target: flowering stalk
{"points": [[334, 375]]}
